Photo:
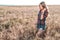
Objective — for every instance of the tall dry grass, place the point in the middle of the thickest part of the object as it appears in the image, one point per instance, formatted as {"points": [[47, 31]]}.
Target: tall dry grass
{"points": [[19, 23]]}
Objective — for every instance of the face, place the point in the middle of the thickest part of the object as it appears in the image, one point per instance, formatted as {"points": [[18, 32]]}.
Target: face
{"points": [[40, 7]]}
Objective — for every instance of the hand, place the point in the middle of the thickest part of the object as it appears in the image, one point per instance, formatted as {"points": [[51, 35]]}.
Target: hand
{"points": [[42, 13], [41, 16]]}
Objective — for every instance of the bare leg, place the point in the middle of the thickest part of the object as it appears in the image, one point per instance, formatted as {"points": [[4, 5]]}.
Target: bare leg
{"points": [[40, 33]]}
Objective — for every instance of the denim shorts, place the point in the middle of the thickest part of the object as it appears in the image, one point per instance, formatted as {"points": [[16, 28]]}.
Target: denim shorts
{"points": [[40, 26]]}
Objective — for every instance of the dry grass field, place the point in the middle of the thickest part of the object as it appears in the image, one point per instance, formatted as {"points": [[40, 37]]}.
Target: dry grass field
{"points": [[19, 23]]}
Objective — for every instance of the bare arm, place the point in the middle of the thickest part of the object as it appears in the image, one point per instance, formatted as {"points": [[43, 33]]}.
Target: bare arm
{"points": [[46, 14]]}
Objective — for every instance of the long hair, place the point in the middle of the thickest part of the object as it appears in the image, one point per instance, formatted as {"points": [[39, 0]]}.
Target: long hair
{"points": [[44, 5]]}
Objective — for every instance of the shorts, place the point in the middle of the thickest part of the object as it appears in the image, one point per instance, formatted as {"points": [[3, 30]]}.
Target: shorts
{"points": [[42, 27]]}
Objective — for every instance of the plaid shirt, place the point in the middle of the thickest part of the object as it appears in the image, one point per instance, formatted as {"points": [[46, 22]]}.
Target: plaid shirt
{"points": [[44, 17]]}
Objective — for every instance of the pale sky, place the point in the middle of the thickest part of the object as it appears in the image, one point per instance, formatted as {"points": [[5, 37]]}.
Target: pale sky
{"points": [[28, 2]]}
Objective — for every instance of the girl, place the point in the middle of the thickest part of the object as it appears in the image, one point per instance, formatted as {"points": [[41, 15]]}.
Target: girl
{"points": [[43, 13]]}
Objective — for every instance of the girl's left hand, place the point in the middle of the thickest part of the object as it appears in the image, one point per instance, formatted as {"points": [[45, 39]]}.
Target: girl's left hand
{"points": [[42, 13]]}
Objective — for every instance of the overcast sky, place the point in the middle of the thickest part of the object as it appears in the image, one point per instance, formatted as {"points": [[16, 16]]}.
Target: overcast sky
{"points": [[28, 2]]}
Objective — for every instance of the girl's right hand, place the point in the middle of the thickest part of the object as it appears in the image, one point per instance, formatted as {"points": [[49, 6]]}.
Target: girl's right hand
{"points": [[41, 16]]}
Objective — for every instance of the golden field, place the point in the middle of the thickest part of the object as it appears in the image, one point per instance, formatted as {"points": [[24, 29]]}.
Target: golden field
{"points": [[19, 23]]}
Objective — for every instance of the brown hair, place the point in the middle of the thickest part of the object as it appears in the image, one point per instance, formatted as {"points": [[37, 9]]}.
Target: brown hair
{"points": [[43, 4]]}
